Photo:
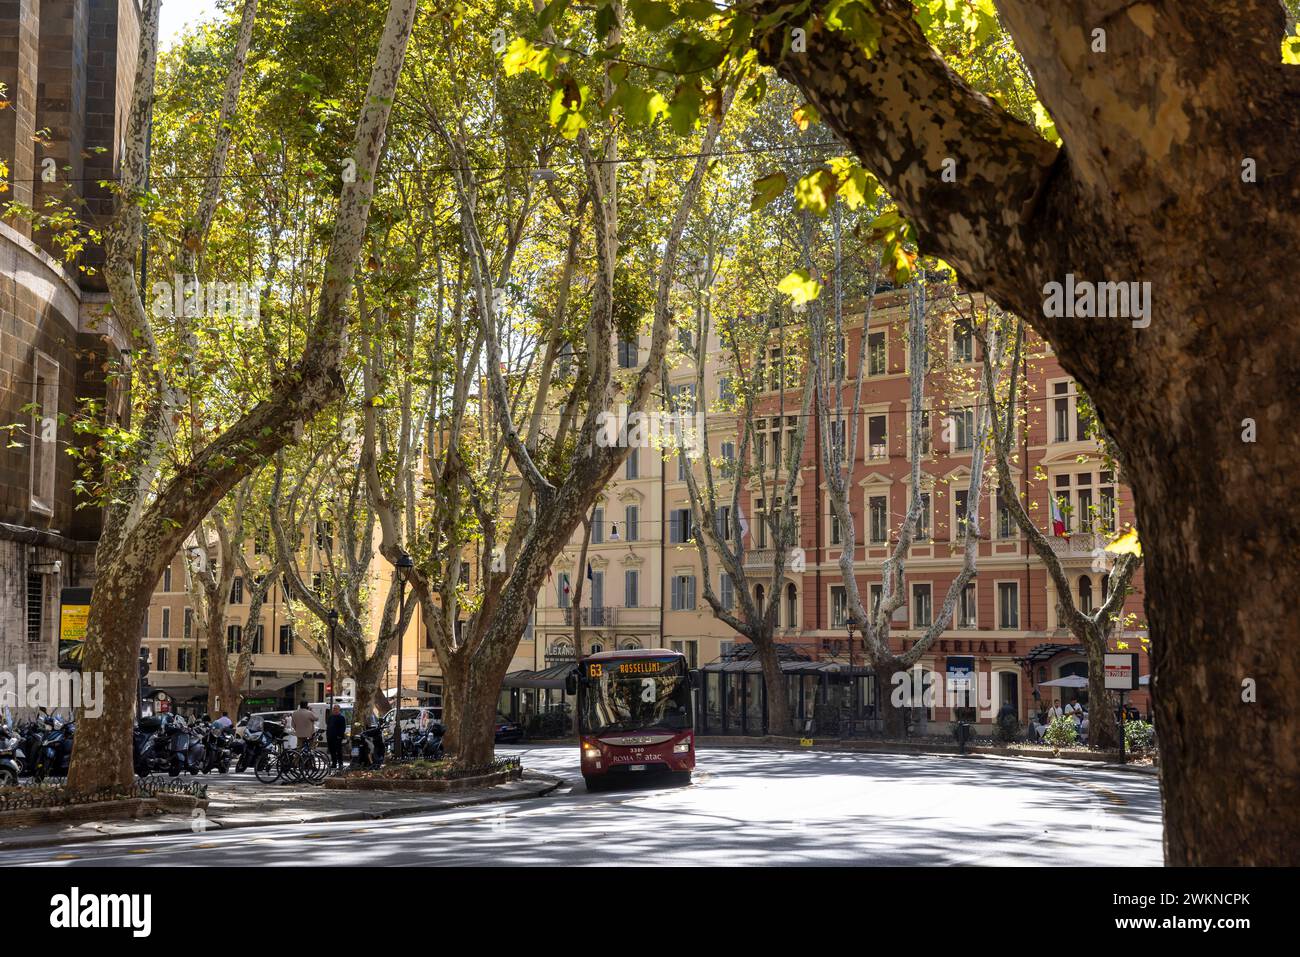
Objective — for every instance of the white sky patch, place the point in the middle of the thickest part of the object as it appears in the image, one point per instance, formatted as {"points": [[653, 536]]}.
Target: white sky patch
{"points": [[176, 15]]}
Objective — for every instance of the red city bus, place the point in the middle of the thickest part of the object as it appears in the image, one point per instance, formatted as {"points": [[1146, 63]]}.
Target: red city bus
{"points": [[635, 714]]}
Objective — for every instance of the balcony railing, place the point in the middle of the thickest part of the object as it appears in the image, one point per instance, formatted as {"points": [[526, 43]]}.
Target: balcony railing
{"points": [[1079, 544]]}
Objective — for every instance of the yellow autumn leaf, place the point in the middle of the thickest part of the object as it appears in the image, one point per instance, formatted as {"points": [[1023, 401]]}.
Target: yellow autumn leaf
{"points": [[800, 287], [1126, 544]]}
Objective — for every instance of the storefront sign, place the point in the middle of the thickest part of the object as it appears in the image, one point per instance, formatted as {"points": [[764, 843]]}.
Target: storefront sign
{"points": [[1121, 672], [74, 610]]}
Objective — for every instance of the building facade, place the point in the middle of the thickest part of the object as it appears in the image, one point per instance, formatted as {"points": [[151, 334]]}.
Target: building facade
{"points": [[66, 69]]}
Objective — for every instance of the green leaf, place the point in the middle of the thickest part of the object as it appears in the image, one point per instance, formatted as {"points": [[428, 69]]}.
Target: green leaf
{"points": [[766, 189], [800, 287], [652, 14], [553, 11]]}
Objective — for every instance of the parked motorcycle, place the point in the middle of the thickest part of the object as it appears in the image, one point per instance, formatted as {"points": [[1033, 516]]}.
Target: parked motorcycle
{"points": [[217, 743], [11, 754], [185, 747], [54, 755], [370, 748], [424, 742], [151, 754], [258, 738]]}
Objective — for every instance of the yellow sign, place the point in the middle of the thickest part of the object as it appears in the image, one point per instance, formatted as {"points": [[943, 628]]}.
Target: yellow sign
{"points": [[806, 742], [72, 622], [639, 667]]}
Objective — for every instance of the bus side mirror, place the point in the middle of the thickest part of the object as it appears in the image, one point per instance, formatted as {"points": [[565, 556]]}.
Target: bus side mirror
{"points": [[571, 683], [696, 680]]}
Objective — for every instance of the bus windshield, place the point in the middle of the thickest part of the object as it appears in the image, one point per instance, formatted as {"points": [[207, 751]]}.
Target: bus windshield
{"points": [[636, 694]]}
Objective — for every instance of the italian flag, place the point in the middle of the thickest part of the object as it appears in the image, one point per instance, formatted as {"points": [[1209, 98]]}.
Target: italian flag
{"points": [[1058, 520]]}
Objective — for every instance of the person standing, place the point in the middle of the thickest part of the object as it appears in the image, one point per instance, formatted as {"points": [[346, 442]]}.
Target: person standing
{"points": [[304, 724], [335, 728]]}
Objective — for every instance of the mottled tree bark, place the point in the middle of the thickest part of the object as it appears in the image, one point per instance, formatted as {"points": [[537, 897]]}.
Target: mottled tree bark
{"points": [[1148, 186]]}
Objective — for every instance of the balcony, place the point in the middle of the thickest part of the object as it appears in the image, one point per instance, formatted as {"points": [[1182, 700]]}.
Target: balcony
{"points": [[1078, 545], [760, 558]]}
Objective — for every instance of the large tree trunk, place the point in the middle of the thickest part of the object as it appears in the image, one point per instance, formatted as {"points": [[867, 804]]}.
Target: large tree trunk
{"points": [[1103, 729], [1219, 584], [119, 602], [1152, 184], [455, 679], [778, 695], [477, 744]]}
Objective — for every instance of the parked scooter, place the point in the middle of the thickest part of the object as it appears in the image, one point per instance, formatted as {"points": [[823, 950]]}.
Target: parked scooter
{"points": [[424, 742], [185, 747], [11, 754], [370, 748], [217, 743], [257, 740], [54, 755], [151, 754]]}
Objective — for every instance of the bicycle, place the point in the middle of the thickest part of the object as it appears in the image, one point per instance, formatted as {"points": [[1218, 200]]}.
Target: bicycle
{"points": [[303, 763]]}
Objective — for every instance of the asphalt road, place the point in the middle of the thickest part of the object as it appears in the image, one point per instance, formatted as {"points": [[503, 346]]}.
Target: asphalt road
{"points": [[745, 807]]}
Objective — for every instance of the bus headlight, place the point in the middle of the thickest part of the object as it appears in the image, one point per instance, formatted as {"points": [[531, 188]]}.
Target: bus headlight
{"points": [[682, 747]]}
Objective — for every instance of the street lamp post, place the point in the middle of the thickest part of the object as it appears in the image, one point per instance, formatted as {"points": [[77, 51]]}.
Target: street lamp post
{"points": [[404, 564], [334, 621]]}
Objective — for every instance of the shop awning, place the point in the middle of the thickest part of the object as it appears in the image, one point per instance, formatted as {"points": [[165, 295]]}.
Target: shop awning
{"points": [[552, 677], [1044, 652], [754, 666]]}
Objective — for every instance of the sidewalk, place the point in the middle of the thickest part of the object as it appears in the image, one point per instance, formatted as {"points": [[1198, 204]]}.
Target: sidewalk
{"points": [[241, 801]]}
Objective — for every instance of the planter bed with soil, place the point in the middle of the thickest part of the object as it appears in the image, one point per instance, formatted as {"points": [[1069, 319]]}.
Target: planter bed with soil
{"points": [[426, 776]]}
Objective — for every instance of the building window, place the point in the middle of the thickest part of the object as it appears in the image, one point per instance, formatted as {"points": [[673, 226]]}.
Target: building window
{"points": [[876, 353], [963, 341], [683, 593], [836, 532], [632, 465], [627, 353], [963, 429], [597, 526], [921, 607], [722, 522], [878, 508], [184, 659], [1085, 594], [726, 592], [35, 605], [923, 523], [839, 606], [683, 466], [968, 615], [1006, 522], [791, 606], [203, 661], [188, 626], [632, 523], [166, 623], [257, 639], [324, 534], [1008, 604], [234, 639], [162, 660], [167, 579], [877, 592], [959, 500], [877, 437], [1067, 424], [631, 581], [237, 590], [680, 530], [286, 640], [45, 432], [689, 649], [927, 435]]}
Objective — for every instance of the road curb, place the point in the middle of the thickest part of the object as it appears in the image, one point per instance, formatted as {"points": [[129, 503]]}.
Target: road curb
{"points": [[545, 784], [826, 747]]}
